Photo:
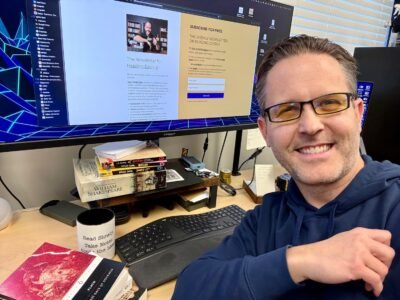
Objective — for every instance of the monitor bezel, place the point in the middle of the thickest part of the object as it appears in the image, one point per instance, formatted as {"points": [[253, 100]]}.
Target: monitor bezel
{"points": [[54, 143]]}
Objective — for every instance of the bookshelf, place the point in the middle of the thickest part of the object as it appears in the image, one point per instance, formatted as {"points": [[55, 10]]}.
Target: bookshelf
{"points": [[164, 39], [133, 28], [191, 183]]}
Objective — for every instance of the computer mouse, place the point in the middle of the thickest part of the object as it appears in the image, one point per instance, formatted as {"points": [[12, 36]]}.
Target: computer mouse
{"points": [[5, 213]]}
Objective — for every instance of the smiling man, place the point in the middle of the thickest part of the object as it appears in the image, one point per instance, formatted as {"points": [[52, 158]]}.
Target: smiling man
{"points": [[150, 42], [336, 231]]}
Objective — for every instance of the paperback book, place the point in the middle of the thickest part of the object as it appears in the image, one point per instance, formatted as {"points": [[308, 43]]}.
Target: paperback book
{"points": [[54, 272], [150, 180], [116, 150], [142, 167], [91, 186], [149, 154]]}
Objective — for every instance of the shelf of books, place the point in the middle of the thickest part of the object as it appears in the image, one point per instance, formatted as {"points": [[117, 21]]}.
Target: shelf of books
{"points": [[164, 39], [122, 176], [133, 29]]}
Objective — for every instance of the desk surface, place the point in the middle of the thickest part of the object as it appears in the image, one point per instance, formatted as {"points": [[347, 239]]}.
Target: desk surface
{"points": [[29, 229]]}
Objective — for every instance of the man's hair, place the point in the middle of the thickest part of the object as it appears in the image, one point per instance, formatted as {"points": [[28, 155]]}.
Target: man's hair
{"points": [[303, 44]]}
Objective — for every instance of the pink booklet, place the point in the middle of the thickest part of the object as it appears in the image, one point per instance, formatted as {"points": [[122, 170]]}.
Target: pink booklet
{"points": [[49, 273]]}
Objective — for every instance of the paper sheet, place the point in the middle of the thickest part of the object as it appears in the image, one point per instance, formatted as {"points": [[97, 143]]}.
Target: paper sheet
{"points": [[254, 139], [173, 175], [196, 197], [265, 179]]}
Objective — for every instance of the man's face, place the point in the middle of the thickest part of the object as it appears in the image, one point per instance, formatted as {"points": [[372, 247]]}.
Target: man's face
{"points": [[314, 149], [147, 28]]}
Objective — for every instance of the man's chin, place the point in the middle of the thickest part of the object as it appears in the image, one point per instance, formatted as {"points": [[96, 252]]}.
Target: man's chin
{"points": [[314, 178]]}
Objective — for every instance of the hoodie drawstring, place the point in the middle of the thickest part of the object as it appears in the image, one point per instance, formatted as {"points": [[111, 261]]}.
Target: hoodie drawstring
{"points": [[299, 221], [331, 221]]}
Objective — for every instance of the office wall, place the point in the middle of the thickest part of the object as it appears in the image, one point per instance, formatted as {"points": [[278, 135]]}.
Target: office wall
{"points": [[37, 176], [358, 23]]}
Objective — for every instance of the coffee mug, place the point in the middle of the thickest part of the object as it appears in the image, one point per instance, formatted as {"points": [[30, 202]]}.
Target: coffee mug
{"points": [[96, 232]]}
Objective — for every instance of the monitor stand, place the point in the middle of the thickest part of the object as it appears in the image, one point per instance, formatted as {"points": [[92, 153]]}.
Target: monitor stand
{"points": [[236, 154]]}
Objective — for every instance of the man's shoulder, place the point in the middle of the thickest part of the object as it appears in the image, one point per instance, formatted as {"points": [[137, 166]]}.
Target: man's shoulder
{"points": [[272, 200], [381, 166]]}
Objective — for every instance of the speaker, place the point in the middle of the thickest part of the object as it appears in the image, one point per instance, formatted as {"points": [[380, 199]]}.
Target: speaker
{"points": [[5, 213]]}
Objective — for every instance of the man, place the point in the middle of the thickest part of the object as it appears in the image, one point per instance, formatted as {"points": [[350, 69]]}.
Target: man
{"points": [[150, 43], [335, 232]]}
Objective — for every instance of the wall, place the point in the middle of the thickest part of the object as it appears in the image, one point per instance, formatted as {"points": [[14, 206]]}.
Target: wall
{"points": [[37, 176]]}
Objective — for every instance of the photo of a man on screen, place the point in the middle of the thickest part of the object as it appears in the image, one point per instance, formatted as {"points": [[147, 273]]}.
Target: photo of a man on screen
{"points": [[150, 42], [146, 34]]}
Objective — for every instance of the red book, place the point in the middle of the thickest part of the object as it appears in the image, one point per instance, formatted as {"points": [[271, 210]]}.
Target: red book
{"points": [[54, 272]]}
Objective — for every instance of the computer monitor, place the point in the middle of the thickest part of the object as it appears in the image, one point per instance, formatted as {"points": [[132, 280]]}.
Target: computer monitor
{"points": [[380, 66], [108, 70]]}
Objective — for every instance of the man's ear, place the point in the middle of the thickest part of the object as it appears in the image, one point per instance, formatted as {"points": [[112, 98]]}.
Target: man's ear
{"points": [[359, 107], [262, 126]]}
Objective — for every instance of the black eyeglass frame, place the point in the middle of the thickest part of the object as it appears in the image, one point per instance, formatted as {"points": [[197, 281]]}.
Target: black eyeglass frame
{"points": [[350, 96]]}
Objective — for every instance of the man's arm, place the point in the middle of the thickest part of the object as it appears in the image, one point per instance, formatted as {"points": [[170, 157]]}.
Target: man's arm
{"points": [[391, 285], [235, 270], [356, 254], [141, 39], [360, 253]]}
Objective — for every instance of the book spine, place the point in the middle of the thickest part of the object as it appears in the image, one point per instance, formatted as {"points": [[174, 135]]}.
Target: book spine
{"points": [[137, 170], [144, 164], [130, 162], [106, 188], [102, 171]]}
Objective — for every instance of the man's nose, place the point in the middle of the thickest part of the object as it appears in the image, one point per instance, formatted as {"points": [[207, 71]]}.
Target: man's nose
{"points": [[309, 122]]}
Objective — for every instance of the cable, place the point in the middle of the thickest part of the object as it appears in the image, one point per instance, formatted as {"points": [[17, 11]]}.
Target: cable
{"points": [[253, 175], [205, 147], [254, 155], [222, 149], [80, 151], [11, 193], [254, 171]]}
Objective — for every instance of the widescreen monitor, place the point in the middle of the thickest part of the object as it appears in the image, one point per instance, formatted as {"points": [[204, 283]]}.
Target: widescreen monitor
{"points": [[89, 71]]}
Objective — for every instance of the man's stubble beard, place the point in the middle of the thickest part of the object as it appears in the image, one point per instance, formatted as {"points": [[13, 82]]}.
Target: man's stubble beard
{"points": [[348, 157]]}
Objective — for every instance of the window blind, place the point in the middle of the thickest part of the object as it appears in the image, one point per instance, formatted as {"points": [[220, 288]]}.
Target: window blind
{"points": [[356, 23]]}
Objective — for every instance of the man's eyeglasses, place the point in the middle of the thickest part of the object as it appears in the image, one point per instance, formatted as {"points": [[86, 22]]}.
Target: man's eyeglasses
{"points": [[323, 105]]}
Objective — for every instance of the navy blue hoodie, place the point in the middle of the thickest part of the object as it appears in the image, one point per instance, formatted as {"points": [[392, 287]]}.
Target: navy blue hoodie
{"points": [[251, 264]]}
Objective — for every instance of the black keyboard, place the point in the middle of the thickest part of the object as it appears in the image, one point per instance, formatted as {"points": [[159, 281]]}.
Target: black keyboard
{"points": [[158, 251]]}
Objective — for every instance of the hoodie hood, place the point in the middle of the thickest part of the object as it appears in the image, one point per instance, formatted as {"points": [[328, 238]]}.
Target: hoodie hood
{"points": [[370, 182]]}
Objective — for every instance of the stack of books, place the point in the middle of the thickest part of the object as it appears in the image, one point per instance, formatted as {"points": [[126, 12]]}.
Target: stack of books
{"points": [[55, 272], [118, 171]]}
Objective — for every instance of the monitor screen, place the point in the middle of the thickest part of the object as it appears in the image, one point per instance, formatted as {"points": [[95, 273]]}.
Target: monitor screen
{"points": [[380, 66], [105, 70], [364, 91]]}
